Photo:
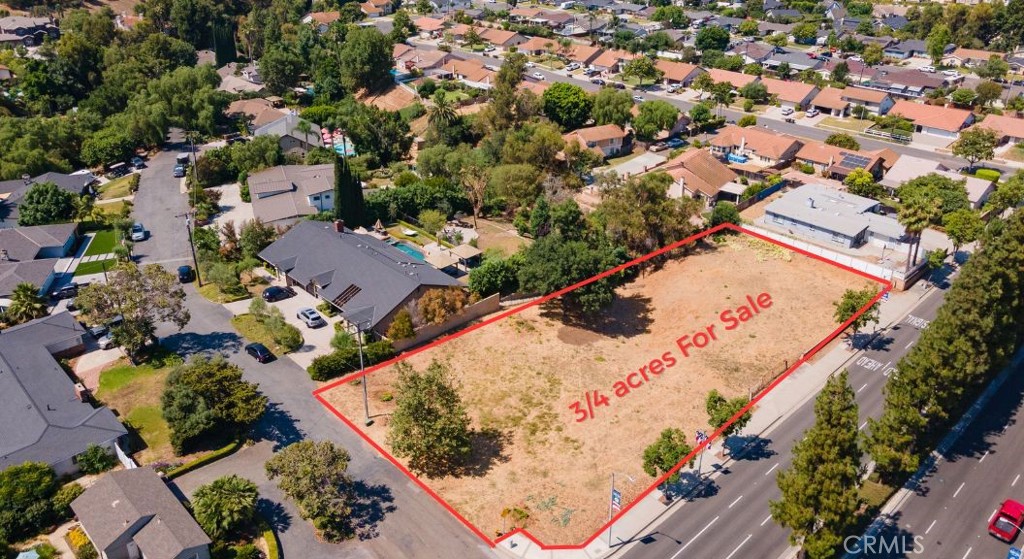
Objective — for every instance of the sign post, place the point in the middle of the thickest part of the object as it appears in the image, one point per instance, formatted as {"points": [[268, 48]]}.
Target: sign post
{"points": [[700, 438], [1014, 553]]}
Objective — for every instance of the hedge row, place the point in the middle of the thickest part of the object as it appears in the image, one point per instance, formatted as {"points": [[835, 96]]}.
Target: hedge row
{"points": [[270, 537], [344, 361], [227, 450]]}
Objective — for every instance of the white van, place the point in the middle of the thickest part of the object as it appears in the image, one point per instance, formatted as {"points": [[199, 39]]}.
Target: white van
{"points": [[567, 5], [929, 69]]}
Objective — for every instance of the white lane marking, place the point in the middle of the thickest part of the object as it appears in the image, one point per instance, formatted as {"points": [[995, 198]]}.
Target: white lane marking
{"points": [[862, 388], [983, 457], [930, 526], [734, 502], [908, 345], [862, 425], [765, 521], [968, 553], [777, 465], [1015, 480], [739, 546], [694, 538], [993, 515], [958, 489]]}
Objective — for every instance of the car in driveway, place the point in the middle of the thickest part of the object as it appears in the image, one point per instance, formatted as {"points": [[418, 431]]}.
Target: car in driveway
{"points": [[538, 76], [179, 171], [786, 111], [618, 85], [572, 66], [812, 113], [259, 352], [186, 274], [139, 232], [675, 143], [658, 146], [275, 293], [310, 318], [106, 341], [69, 291], [1005, 525]]}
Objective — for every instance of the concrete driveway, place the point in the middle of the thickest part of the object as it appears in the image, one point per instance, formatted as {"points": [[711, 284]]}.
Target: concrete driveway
{"points": [[232, 207]]}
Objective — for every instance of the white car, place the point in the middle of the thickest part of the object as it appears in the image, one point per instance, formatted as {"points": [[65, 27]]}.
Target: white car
{"points": [[106, 341], [928, 69], [138, 232], [638, 98], [310, 317], [786, 111], [812, 112], [950, 73], [530, 64], [538, 76]]}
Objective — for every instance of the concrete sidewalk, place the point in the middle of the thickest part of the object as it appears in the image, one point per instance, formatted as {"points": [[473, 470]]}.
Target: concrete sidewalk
{"points": [[774, 407]]}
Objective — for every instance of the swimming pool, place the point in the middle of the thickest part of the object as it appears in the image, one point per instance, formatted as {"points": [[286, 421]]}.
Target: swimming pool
{"points": [[408, 249]]}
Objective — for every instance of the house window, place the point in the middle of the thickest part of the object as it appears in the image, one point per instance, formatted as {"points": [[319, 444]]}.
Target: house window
{"points": [[316, 197]]}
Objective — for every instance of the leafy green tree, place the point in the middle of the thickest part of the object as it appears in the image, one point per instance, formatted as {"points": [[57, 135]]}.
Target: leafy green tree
{"points": [[25, 493], [712, 37], [315, 475], [963, 97], [843, 140], [674, 16], [1008, 194], [558, 260], [225, 505], [724, 212], [663, 455], [654, 117], [700, 114], [853, 301], [777, 39], [366, 60], [46, 203], [963, 226], [254, 236], [401, 327], [430, 425], [26, 304], [280, 68], [612, 106], [382, 134], [987, 91], [187, 414], [640, 215], [95, 460], [721, 410], [567, 104], [872, 54], [755, 91], [915, 214], [820, 489], [748, 27], [642, 68], [951, 193], [976, 144], [840, 72], [432, 220], [805, 32], [747, 120], [495, 275], [936, 42], [862, 183], [995, 68]]}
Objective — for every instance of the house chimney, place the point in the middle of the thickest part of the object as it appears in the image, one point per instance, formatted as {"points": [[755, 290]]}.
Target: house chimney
{"points": [[339, 225], [3, 255], [810, 202]]}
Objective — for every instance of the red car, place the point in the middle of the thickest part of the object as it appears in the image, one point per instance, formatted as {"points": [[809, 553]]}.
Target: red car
{"points": [[1006, 523]]}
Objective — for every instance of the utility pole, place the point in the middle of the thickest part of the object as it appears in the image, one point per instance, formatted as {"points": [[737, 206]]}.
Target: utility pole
{"points": [[192, 246], [366, 398]]}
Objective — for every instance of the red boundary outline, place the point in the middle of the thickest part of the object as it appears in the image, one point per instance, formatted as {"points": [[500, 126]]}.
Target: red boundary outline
{"points": [[693, 238]]}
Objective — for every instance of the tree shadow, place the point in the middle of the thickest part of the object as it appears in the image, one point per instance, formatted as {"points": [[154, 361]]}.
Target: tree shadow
{"points": [[627, 316], [488, 449], [878, 343], [749, 447], [891, 542], [189, 343], [278, 425], [369, 504], [275, 514]]}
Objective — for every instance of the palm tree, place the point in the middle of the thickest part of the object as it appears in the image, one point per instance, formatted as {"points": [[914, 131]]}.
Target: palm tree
{"points": [[915, 214], [84, 208], [442, 113], [306, 128], [225, 504], [26, 304]]}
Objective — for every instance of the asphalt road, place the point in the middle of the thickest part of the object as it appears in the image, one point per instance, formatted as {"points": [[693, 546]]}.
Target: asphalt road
{"points": [[395, 518], [731, 519], [793, 129], [947, 516]]}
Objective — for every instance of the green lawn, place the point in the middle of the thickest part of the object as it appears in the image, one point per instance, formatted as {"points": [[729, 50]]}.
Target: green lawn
{"points": [[148, 422], [113, 208], [853, 125], [102, 243], [95, 267], [215, 295], [116, 188], [253, 331]]}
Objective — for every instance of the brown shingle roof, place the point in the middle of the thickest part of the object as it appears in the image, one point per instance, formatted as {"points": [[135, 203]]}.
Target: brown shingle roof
{"points": [[584, 54], [864, 95], [600, 133], [325, 17], [428, 24]]}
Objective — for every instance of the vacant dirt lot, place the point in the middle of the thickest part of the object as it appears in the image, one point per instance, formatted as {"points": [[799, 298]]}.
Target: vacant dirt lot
{"points": [[521, 376]]}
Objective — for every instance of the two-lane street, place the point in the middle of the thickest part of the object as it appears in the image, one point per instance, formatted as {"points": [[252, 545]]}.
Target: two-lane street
{"points": [[731, 519]]}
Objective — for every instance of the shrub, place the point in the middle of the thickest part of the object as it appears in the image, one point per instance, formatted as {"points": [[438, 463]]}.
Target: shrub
{"points": [[401, 327], [987, 174], [336, 363], [438, 305], [748, 106], [80, 544], [326, 309], [46, 551], [287, 336], [247, 551], [244, 192], [227, 450], [62, 500], [752, 190], [378, 352], [95, 460], [807, 168], [747, 120], [270, 538]]}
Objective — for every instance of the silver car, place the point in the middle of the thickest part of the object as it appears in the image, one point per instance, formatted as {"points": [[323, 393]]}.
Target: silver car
{"points": [[138, 232], [310, 317]]}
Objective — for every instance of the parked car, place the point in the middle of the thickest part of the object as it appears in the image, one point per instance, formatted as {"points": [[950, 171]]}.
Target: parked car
{"points": [[117, 170], [139, 232], [489, 48], [675, 143], [311, 318], [790, 120], [183, 159], [530, 64], [179, 171], [812, 112], [138, 162], [638, 98], [69, 291], [672, 88], [186, 274], [658, 146], [950, 73], [106, 341], [597, 81], [572, 66], [275, 293], [618, 85], [928, 69], [538, 76], [786, 111], [259, 352], [1005, 525]]}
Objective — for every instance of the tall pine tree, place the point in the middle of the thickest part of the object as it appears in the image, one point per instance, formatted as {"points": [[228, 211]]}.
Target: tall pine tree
{"points": [[819, 490], [348, 195]]}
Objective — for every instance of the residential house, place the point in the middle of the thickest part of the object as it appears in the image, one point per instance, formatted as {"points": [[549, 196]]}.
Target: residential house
{"points": [[536, 46], [131, 514], [783, 14], [858, 72], [752, 149], [834, 217], [798, 60], [753, 53], [765, 28], [470, 72], [238, 78], [625, 8], [395, 98], [256, 112], [321, 20], [29, 31], [736, 79], [422, 59], [12, 192], [934, 120], [894, 22], [608, 139], [366, 279], [903, 50], [377, 8], [503, 40], [292, 139], [284, 194], [584, 55], [970, 57], [45, 415], [1008, 129], [908, 84], [1016, 62], [882, 41], [20, 244], [678, 73], [909, 167], [795, 95], [429, 26], [728, 23], [696, 173], [838, 102], [837, 163], [611, 61]]}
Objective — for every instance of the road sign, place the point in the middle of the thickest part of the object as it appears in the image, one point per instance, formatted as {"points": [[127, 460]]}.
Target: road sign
{"points": [[885, 296], [1013, 554], [701, 437], [616, 499]]}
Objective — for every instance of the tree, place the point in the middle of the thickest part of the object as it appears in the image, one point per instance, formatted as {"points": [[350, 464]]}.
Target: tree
{"points": [[95, 460], [25, 493], [436, 306], [46, 203], [254, 236], [280, 68], [430, 425], [495, 275], [722, 94], [401, 327], [936, 42], [951, 193], [349, 205], [963, 97], [712, 37], [872, 54], [777, 39], [474, 179], [700, 114], [755, 91], [720, 411], [558, 260], [641, 216], [383, 135], [315, 475], [432, 220], [995, 68], [820, 489], [915, 214], [674, 16], [703, 82], [664, 454], [963, 226], [26, 304], [805, 32], [1009, 194], [567, 104], [748, 27], [987, 91], [747, 120], [862, 183], [853, 301], [142, 296], [654, 117], [840, 72], [976, 144], [225, 505], [843, 140], [724, 212], [612, 106], [642, 68], [366, 60], [783, 70], [442, 112]]}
